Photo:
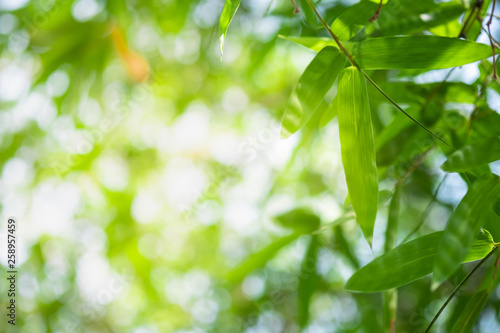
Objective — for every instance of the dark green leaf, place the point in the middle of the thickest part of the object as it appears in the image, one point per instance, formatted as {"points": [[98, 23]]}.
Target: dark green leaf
{"points": [[463, 225], [308, 280], [409, 262], [471, 312], [416, 22], [472, 156]]}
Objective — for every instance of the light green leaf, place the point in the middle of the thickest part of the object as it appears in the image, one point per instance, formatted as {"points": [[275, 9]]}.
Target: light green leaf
{"points": [[409, 262], [259, 259], [312, 87], [350, 22], [330, 113], [417, 52], [357, 147], [313, 43], [307, 280], [471, 312], [300, 220], [230, 7], [472, 156], [463, 226]]}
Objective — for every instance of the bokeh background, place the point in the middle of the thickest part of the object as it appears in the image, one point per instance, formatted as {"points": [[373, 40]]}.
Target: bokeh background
{"points": [[142, 169]]}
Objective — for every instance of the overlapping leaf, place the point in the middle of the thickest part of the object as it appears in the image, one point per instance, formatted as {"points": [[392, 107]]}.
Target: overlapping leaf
{"points": [[463, 225], [409, 262], [350, 22], [312, 87], [475, 155], [391, 25], [357, 147]]}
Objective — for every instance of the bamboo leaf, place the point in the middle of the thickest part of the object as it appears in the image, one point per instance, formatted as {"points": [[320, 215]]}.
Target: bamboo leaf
{"points": [[309, 15], [417, 52], [300, 220], [409, 262], [393, 25], [307, 280], [351, 21], [230, 7], [313, 43], [312, 87], [471, 312], [259, 259], [357, 148], [463, 226], [472, 156]]}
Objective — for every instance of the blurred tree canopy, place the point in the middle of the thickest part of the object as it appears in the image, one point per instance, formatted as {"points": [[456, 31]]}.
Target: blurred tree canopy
{"points": [[251, 166]]}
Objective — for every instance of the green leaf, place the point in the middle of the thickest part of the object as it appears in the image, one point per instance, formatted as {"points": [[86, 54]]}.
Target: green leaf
{"points": [[416, 22], [230, 7], [313, 43], [471, 312], [350, 22], [357, 148], [312, 87], [392, 220], [409, 262], [259, 259], [300, 220], [307, 280], [472, 156], [417, 52], [309, 15], [330, 113], [463, 226]]}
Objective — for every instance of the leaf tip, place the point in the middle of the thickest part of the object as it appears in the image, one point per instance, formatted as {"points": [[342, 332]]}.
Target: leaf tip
{"points": [[221, 40]]}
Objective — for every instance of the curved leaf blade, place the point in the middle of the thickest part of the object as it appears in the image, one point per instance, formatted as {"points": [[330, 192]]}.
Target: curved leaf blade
{"points": [[259, 259], [230, 7], [472, 156], [464, 225], [358, 148], [312, 87], [313, 43], [471, 312], [409, 262], [417, 52]]}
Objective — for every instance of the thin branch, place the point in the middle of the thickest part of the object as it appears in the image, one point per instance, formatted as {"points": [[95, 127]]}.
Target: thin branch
{"points": [[491, 40], [376, 15], [458, 288], [495, 272], [296, 10], [475, 10], [427, 210]]}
